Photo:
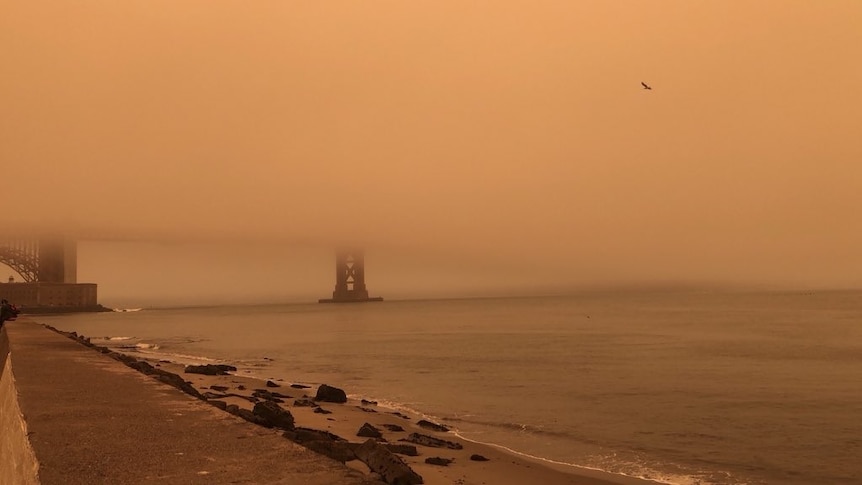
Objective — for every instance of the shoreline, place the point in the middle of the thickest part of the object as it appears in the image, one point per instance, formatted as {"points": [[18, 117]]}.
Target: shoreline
{"points": [[499, 464]]}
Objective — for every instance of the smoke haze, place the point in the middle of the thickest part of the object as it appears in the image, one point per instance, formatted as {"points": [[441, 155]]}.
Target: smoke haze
{"points": [[506, 141]]}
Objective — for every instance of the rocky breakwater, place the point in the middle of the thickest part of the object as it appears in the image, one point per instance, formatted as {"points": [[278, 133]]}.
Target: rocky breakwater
{"points": [[380, 457]]}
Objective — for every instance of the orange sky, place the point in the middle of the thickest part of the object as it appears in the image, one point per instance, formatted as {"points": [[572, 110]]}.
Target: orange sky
{"points": [[503, 132]]}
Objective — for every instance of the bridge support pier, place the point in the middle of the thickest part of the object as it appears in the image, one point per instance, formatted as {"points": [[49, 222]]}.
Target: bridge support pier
{"points": [[350, 279]]}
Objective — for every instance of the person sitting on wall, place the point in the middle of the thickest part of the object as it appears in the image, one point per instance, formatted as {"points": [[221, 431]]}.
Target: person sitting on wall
{"points": [[7, 312]]}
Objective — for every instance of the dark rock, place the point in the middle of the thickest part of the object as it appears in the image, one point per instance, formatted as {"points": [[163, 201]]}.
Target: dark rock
{"points": [[142, 367], [393, 427], [210, 369], [232, 408], [478, 458], [213, 395], [436, 460], [251, 417], [391, 468], [366, 402], [330, 394], [402, 416], [266, 396], [367, 410], [432, 426], [337, 450], [241, 387], [219, 404], [425, 440], [323, 442], [127, 359], [304, 435], [273, 415], [304, 403], [320, 410], [300, 386], [271, 384], [369, 431], [402, 449], [219, 388], [178, 382]]}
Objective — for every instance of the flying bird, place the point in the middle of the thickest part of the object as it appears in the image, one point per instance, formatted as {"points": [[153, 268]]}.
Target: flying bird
{"points": [[646, 86]]}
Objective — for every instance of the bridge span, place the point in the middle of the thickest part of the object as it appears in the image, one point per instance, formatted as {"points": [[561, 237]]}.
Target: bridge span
{"points": [[49, 268]]}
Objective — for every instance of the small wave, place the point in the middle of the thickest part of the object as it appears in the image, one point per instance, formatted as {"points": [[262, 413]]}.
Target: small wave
{"points": [[146, 346], [645, 475], [611, 464], [250, 374], [631, 470], [124, 310], [112, 339], [392, 406], [177, 358], [519, 427]]}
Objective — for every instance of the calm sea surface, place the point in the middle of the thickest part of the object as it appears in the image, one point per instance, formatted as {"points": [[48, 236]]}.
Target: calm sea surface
{"points": [[686, 387]]}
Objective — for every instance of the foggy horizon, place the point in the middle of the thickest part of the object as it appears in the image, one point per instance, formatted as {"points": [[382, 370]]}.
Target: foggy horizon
{"points": [[472, 149]]}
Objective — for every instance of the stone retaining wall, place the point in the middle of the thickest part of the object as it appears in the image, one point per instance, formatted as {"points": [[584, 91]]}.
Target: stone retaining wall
{"points": [[18, 464]]}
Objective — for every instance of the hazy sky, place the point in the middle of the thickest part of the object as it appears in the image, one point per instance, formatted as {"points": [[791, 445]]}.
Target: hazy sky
{"points": [[507, 136]]}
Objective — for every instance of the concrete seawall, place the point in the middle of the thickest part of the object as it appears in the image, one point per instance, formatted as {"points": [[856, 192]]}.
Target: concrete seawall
{"points": [[17, 462], [90, 419]]}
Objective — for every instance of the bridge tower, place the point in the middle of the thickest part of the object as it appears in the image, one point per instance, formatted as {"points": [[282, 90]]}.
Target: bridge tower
{"points": [[49, 267], [350, 278], [58, 261]]}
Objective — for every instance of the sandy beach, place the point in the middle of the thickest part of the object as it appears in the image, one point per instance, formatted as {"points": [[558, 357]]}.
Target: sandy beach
{"points": [[346, 419], [466, 462]]}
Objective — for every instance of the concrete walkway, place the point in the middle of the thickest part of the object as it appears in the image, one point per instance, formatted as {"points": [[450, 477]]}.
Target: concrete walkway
{"points": [[93, 420]]}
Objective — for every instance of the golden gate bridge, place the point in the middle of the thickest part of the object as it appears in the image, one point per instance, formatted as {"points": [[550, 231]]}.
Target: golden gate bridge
{"points": [[49, 266]]}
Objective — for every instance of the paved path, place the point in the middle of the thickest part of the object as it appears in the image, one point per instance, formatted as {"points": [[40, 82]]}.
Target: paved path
{"points": [[94, 420]]}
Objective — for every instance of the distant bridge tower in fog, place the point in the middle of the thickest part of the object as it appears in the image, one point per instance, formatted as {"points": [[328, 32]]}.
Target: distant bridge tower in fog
{"points": [[41, 260], [350, 278], [49, 268]]}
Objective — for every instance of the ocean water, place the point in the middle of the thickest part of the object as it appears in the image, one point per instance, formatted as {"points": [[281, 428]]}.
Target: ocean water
{"points": [[684, 387]]}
